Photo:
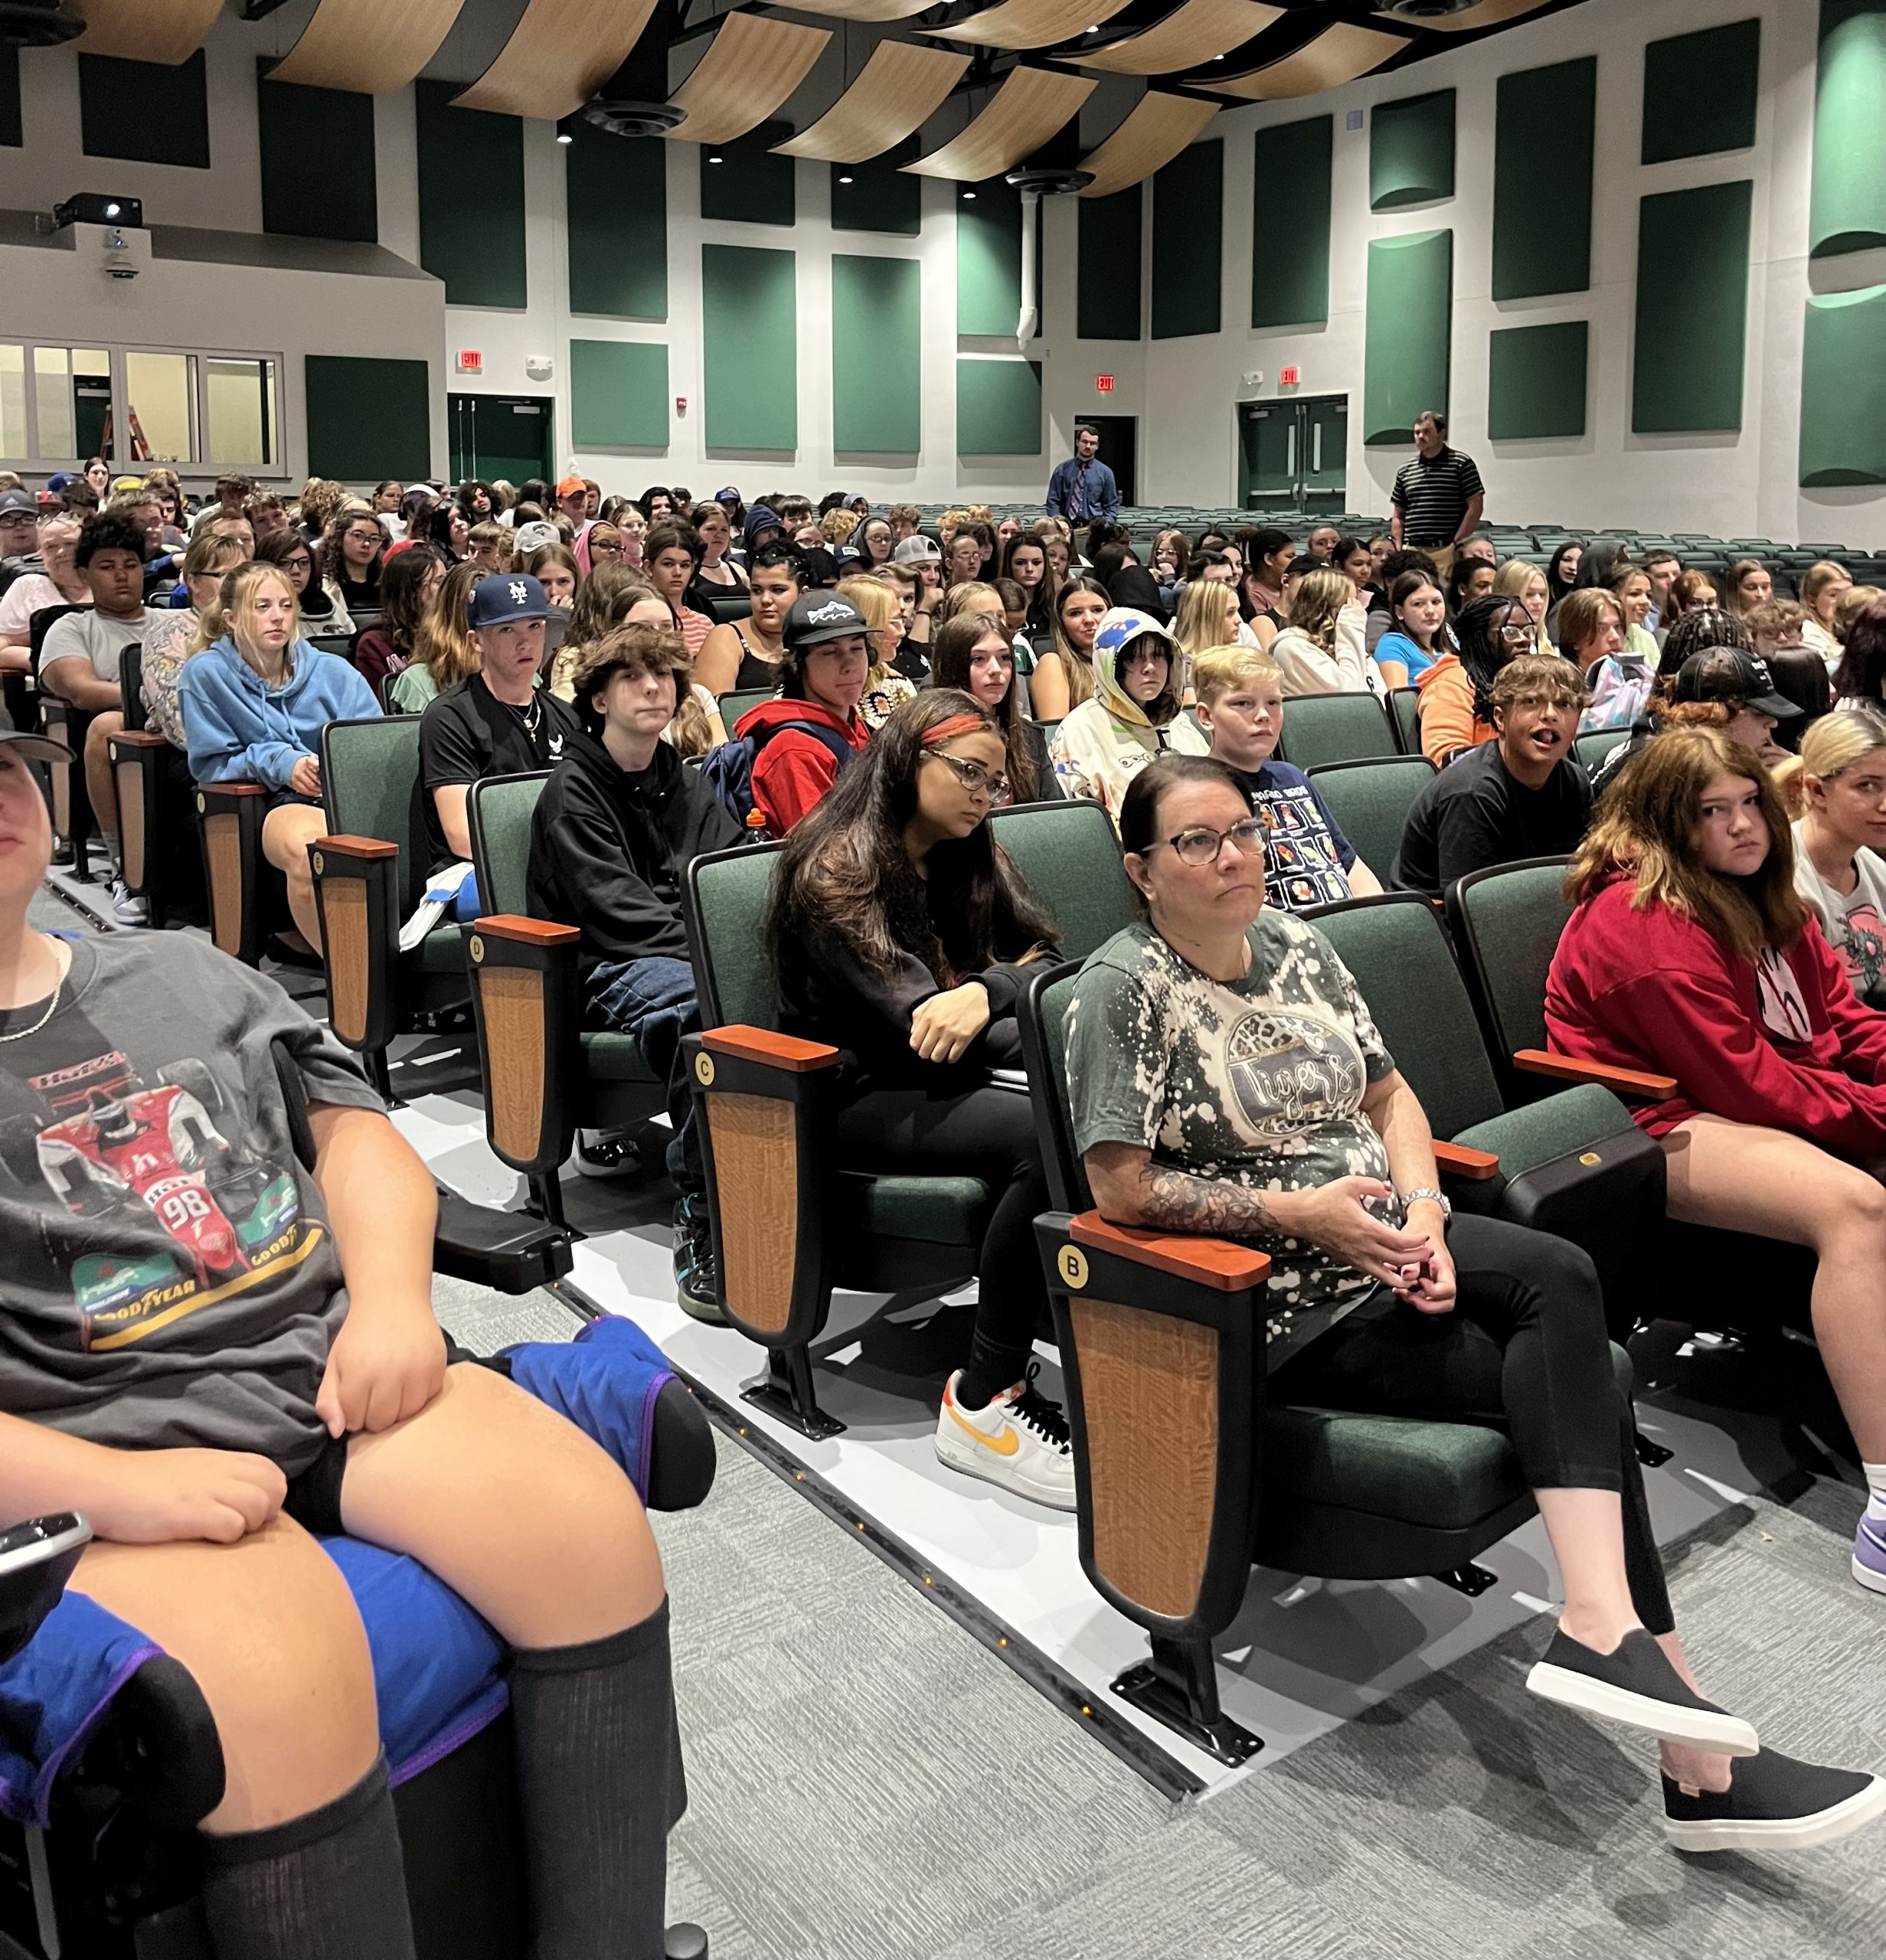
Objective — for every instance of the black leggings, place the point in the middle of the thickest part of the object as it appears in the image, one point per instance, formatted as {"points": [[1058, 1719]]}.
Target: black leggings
{"points": [[1525, 1351], [987, 1133]]}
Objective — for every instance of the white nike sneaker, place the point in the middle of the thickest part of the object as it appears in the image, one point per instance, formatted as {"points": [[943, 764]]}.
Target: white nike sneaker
{"points": [[1019, 1441], [126, 908]]}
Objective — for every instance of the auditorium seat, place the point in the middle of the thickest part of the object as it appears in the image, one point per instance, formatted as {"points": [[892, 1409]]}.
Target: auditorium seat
{"points": [[1371, 799]]}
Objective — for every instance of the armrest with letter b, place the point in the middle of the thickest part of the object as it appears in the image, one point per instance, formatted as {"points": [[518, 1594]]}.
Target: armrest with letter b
{"points": [[1630, 1083]]}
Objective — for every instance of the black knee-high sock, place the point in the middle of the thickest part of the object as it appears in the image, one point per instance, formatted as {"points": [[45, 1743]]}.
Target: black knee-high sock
{"points": [[598, 1772], [329, 1886]]}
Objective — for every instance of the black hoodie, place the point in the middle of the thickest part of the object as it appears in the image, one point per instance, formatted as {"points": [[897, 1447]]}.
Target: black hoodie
{"points": [[608, 850]]}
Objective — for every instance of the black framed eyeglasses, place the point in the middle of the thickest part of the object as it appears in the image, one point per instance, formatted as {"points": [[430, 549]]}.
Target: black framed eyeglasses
{"points": [[973, 776], [1201, 844]]}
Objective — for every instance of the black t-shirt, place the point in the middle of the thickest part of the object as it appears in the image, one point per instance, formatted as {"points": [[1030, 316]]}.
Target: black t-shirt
{"points": [[360, 595], [468, 733], [1475, 814]]}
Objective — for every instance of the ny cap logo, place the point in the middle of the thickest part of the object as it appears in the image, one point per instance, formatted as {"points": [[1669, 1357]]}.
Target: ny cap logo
{"points": [[519, 591]]}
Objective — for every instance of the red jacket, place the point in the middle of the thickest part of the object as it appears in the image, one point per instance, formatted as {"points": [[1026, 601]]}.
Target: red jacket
{"points": [[1651, 990], [793, 770]]}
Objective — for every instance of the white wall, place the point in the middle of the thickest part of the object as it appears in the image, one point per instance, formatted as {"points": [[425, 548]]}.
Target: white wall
{"points": [[1184, 391], [1732, 485]]}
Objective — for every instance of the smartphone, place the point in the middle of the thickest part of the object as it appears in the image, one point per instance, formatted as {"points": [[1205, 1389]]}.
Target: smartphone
{"points": [[36, 1559]]}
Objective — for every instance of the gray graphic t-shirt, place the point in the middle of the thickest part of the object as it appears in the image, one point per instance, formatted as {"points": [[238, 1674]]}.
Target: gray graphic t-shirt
{"points": [[1257, 1081]]}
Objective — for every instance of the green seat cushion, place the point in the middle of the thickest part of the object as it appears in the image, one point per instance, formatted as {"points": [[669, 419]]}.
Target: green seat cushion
{"points": [[1536, 1132], [441, 951], [615, 1058], [938, 1211]]}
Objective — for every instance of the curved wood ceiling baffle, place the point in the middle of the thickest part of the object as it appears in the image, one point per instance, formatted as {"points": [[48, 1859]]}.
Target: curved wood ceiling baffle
{"points": [[897, 92], [864, 10], [1017, 120], [751, 66], [1028, 24], [373, 46], [164, 30], [1199, 31], [1488, 14], [559, 54], [1157, 128], [1339, 54]]}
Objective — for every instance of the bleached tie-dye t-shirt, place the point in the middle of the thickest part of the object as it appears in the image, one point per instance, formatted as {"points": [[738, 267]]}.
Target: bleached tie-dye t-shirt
{"points": [[1257, 1081]]}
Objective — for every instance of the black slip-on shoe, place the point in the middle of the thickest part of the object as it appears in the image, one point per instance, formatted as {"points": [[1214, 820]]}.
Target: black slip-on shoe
{"points": [[1773, 1803], [1635, 1685]]}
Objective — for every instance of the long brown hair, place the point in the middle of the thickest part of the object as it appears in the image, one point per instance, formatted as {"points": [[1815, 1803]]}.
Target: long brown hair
{"points": [[443, 644], [1649, 829], [949, 667]]}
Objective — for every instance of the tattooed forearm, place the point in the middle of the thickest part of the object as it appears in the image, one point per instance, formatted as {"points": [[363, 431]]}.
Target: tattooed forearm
{"points": [[1172, 1201]]}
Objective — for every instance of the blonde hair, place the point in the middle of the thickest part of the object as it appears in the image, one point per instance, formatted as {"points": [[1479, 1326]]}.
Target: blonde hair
{"points": [[878, 603], [1200, 625], [1219, 669], [1581, 615], [1510, 581], [1848, 607], [972, 596], [1818, 577], [223, 617], [1319, 596], [442, 645], [838, 525], [1834, 743]]}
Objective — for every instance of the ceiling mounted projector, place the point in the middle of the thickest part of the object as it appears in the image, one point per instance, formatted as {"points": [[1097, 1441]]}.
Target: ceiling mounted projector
{"points": [[632, 119], [1424, 10], [37, 24], [1049, 183]]}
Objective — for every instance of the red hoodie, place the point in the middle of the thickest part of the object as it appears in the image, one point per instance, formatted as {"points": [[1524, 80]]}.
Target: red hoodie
{"points": [[791, 770], [1786, 1046]]}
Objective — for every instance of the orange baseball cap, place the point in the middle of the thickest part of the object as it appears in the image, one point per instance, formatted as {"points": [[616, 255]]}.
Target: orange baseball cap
{"points": [[571, 486]]}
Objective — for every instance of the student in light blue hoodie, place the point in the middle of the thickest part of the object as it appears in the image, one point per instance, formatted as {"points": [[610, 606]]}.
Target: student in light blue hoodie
{"points": [[255, 701]]}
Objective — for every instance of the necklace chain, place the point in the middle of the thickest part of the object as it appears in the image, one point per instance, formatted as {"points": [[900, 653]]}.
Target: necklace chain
{"points": [[52, 1007]]}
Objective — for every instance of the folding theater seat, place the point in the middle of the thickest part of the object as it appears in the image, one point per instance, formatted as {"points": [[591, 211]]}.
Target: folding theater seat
{"points": [[1371, 801], [161, 855], [1334, 728], [762, 1098]]}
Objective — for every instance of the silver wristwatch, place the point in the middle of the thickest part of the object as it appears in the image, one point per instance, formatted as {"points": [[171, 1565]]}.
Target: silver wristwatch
{"points": [[1434, 1196]]}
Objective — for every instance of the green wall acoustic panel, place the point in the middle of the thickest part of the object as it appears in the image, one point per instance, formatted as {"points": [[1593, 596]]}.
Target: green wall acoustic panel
{"points": [[1843, 388], [1407, 341], [877, 361], [999, 407], [1535, 384], [1188, 242], [988, 258], [878, 195], [1687, 373], [1700, 91], [471, 199], [367, 419], [745, 182], [616, 193], [12, 135], [1107, 290], [1411, 150], [619, 393], [1847, 213], [142, 111], [1542, 157], [338, 199], [748, 335], [1289, 272]]}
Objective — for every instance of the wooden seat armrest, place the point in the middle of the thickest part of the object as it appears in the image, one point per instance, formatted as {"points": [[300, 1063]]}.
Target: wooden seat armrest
{"points": [[229, 789], [140, 738], [1460, 1160], [779, 1051], [1571, 1068], [525, 931], [1217, 1263], [343, 846]]}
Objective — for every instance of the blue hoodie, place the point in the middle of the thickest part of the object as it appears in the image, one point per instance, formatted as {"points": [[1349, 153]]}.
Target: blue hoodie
{"points": [[239, 731]]}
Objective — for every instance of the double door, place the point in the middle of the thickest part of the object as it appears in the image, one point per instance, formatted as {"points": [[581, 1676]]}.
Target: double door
{"points": [[1293, 454], [501, 437]]}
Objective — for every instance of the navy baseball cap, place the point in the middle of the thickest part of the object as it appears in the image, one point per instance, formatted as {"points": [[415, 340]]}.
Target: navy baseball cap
{"points": [[504, 598]]}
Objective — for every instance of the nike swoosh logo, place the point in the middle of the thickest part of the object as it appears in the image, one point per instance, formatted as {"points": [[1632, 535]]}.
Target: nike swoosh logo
{"points": [[1006, 1446]]}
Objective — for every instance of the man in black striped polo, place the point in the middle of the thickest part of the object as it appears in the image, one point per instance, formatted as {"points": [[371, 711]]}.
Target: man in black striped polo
{"points": [[1438, 498]]}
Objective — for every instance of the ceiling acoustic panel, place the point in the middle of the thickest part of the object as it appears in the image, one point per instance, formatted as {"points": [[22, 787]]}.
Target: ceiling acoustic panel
{"points": [[373, 46], [751, 66], [1199, 31], [896, 91], [169, 31], [1339, 54], [1488, 14], [864, 10], [1028, 24], [1157, 130], [1019, 117], [559, 54]]}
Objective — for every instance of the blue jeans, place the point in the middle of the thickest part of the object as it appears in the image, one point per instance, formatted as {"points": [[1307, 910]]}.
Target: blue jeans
{"points": [[654, 1000]]}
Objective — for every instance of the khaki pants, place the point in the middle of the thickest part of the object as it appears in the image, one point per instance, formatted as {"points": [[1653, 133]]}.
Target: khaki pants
{"points": [[1442, 555]]}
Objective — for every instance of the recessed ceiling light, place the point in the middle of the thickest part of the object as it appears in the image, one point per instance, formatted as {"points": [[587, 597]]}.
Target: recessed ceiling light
{"points": [[845, 179], [969, 197]]}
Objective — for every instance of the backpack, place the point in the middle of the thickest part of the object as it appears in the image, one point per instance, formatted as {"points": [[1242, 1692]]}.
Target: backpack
{"points": [[727, 770]]}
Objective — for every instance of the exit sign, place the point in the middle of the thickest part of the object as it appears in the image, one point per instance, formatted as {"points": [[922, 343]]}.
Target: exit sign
{"points": [[1287, 378], [471, 360], [1103, 384]]}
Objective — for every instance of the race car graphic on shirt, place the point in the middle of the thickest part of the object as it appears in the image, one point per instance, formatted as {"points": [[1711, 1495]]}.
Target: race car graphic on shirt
{"points": [[110, 1143]]}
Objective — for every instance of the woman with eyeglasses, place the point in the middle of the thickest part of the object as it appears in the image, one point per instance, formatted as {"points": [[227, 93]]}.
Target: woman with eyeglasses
{"points": [[352, 553], [1456, 707], [901, 934], [1227, 1078], [321, 610]]}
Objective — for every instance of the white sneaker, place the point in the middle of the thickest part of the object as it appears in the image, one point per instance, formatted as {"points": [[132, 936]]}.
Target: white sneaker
{"points": [[1019, 1441], [126, 909]]}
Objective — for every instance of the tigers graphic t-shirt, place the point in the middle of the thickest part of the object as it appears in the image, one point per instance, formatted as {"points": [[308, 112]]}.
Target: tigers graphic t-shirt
{"points": [[169, 1280], [1257, 1081]]}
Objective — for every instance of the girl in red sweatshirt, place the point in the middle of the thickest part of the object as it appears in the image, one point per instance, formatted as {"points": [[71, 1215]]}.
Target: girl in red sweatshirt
{"points": [[1690, 955]]}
